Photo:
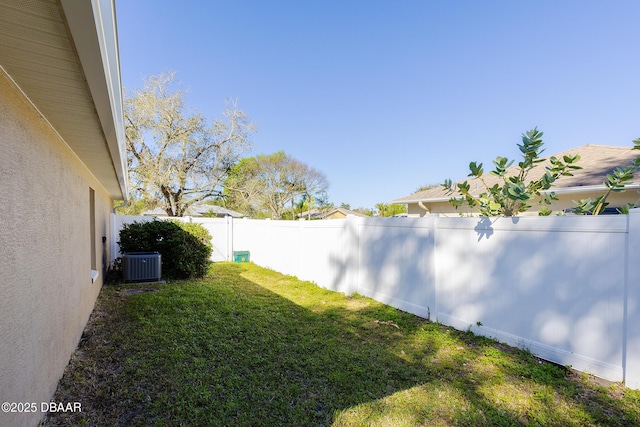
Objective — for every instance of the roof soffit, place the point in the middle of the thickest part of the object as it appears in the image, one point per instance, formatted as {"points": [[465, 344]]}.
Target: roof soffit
{"points": [[43, 49]]}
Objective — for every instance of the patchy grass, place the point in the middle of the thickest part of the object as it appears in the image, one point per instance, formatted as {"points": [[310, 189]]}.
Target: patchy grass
{"points": [[247, 346]]}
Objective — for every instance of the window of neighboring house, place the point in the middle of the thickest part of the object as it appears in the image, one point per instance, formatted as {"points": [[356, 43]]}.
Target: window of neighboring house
{"points": [[92, 232]]}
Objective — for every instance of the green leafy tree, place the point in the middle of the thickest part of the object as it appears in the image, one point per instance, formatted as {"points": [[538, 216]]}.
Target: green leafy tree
{"points": [[273, 184], [365, 211], [134, 207], [392, 209], [615, 183], [176, 157], [242, 189], [515, 191], [310, 203]]}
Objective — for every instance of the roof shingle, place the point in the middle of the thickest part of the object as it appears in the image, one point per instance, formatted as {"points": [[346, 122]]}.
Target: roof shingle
{"points": [[596, 161]]}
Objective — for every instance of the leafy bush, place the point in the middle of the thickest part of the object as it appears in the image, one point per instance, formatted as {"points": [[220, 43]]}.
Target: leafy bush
{"points": [[616, 182], [185, 247], [514, 193]]}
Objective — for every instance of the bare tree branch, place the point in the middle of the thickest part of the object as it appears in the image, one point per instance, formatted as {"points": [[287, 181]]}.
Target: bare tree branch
{"points": [[175, 156]]}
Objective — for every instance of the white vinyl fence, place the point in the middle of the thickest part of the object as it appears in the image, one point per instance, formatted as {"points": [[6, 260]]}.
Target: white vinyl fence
{"points": [[566, 288]]}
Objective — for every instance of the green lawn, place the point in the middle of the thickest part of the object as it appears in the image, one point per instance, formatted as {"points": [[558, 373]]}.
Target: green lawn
{"points": [[248, 346]]}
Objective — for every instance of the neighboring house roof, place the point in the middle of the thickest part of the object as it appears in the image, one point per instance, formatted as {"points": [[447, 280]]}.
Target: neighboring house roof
{"points": [[198, 210], [311, 214], [596, 161], [63, 55], [337, 212], [333, 213], [202, 210]]}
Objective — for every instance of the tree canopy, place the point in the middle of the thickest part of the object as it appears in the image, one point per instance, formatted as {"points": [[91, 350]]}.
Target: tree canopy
{"points": [[175, 157], [386, 210], [273, 184]]}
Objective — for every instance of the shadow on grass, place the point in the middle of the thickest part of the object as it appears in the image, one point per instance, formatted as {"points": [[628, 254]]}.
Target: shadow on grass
{"points": [[249, 347]]}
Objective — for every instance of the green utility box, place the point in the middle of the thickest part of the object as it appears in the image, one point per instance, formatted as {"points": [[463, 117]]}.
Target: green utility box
{"points": [[240, 256]]}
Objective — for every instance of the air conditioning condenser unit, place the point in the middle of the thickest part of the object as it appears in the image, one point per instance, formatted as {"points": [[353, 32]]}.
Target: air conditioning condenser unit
{"points": [[142, 266]]}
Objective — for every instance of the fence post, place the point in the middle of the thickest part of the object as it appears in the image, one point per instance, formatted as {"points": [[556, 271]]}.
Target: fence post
{"points": [[433, 264], [229, 219], [631, 343], [353, 260]]}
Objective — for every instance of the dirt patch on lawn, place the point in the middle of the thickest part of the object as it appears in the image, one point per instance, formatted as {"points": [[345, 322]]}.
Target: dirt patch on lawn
{"points": [[128, 292], [91, 377]]}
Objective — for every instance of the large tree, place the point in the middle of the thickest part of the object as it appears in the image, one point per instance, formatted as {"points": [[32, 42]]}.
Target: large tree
{"points": [[272, 183], [176, 158]]}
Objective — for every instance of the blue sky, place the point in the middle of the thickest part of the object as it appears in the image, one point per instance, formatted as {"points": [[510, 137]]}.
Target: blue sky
{"points": [[386, 96]]}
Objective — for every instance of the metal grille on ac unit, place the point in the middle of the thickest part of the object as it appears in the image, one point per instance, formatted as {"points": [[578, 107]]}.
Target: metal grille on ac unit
{"points": [[141, 266]]}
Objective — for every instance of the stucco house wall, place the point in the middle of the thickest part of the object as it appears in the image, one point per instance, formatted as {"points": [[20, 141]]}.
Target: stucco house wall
{"points": [[61, 169], [45, 273]]}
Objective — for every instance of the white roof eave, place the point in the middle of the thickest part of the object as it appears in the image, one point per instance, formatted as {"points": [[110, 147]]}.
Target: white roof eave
{"points": [[97, 49]]}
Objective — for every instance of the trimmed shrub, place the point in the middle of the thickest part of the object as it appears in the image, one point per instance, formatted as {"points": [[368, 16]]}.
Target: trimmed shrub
{"points": [[185, 247]]}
